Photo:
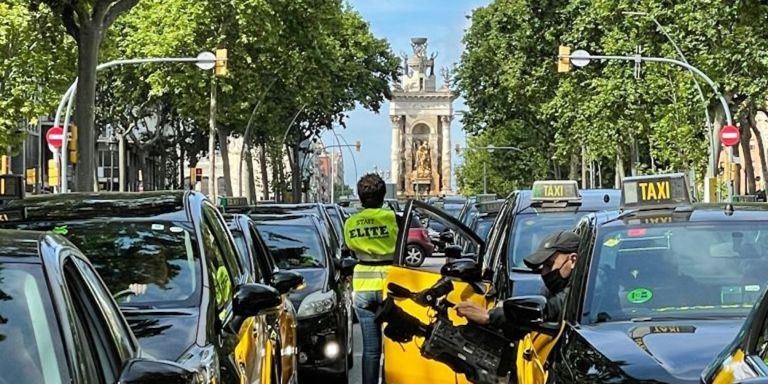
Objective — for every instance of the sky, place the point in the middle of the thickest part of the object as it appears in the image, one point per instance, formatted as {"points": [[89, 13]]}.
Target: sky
{"points": [[443, 22]]}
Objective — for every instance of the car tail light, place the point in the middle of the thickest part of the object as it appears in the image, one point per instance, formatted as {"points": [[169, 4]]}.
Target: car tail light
{"points": [[424, 234]]}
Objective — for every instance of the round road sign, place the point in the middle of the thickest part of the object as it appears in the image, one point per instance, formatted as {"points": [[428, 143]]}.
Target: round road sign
{"points": [[55, 137], [579, 58], [729, 135]]}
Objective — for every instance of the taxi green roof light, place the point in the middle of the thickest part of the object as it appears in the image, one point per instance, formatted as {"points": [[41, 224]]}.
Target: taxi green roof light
{"points": [[655, 192], [231, 201], [555, 190], [490, 206]]}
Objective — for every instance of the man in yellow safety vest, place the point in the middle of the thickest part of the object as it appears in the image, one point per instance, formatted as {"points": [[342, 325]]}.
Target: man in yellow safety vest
{"points": [[372, 235]]}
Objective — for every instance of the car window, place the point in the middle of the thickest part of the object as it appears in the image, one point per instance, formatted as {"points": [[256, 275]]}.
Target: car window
{"points": [[116, 324], [160, 256], [530, 229], [225, 241], [247, 255], [294, 246], [222, 280], [30, 341], [265, 259], [93, 320], [338, 223], [682, 269]]}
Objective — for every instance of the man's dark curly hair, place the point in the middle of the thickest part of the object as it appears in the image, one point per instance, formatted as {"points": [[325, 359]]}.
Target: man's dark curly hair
{"points": [[371, 191]]}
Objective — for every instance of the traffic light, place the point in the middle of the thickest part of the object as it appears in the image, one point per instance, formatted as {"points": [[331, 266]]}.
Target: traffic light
{"points": [[53, 173], [72, 144], [564, 59], [358, 145], [221, 62]]}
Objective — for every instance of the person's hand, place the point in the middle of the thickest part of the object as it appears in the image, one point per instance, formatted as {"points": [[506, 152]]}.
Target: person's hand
{"points": [[138, 289], [474, 312]]}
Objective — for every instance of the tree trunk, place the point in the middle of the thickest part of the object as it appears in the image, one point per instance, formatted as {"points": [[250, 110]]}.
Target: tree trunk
{"points": [[250, 178], [264, 172], [224, 149], [761, 150], [296, 174], [573, 170], [181, 167], [746, 154], [87, 60], [717, 123]]}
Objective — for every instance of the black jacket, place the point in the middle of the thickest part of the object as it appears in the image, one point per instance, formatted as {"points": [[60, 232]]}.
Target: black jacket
{"points": [[503, 316]]}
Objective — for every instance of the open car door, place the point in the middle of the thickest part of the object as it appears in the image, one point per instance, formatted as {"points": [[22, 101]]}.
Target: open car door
{"points": [[403, 363]]}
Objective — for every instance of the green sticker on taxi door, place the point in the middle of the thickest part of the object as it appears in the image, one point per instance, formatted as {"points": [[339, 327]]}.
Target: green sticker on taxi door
{"points": [[639, 296]]}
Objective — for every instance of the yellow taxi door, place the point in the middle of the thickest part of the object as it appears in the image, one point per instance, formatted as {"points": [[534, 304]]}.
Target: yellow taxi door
{"points": [[403, 363]]}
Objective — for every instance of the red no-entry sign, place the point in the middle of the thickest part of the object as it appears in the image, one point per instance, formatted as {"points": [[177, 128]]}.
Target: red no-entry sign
{"points": [[729, 135], [55, 137]]}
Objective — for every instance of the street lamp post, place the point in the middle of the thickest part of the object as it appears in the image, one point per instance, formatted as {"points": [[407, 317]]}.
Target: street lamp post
{"points": [[489, 148], [205, 61], [712, 169], [582, 58], [333, 165]]}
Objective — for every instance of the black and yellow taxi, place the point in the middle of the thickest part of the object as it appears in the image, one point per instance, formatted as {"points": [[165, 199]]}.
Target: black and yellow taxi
{"points": [[260, 264], [59, 324], [170, 262], [658, 289], [526, 218], [745, 359], [403, 362]]}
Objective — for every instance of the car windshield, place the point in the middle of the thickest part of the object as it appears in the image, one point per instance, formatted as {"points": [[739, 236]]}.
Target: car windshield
{"points": [[293, 246], [530, 229], [159, 257], [29, 337], [679, 270]]}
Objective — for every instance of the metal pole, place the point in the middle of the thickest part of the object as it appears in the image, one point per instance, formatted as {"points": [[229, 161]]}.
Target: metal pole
{"points": [[212, 143], [247, 135], [485, 178], [72, 91], [712, 169], [121, 162], [333, 190]]}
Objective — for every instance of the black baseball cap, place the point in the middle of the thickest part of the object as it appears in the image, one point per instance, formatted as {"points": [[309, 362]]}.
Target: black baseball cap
{"points": [[560, 241]]}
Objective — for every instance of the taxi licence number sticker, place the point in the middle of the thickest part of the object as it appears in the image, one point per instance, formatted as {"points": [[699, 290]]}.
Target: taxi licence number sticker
{"points": [[639, 295]]}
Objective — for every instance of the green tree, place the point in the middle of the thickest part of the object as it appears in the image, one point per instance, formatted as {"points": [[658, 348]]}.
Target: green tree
{"points": [[32, 56], [87, 22]]}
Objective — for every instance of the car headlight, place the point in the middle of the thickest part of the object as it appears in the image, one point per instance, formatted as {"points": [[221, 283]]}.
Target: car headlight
{"points": [[316, 303]]}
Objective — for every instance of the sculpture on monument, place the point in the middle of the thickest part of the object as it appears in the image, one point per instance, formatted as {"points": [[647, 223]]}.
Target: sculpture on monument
{"points": [[423, 161]]}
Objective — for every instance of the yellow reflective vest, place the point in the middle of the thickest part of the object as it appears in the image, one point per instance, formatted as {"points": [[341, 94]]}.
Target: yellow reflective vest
{"points": [[372, 235]]}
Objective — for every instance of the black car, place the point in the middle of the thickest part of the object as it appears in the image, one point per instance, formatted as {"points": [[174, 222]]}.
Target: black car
{"points": [[170, 262], [659, 288], [525, 219], [260, 264], [325, 303], [59, 324]]}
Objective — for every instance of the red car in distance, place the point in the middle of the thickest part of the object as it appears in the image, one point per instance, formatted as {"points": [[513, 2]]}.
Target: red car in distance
{"points": [[419, 245]]}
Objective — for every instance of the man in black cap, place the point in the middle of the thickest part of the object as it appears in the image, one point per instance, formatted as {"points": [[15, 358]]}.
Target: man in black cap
{"points": [[554, 259]]}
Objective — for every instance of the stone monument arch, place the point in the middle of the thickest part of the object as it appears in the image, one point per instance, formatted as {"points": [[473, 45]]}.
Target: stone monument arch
{"points": [[421, 117]]}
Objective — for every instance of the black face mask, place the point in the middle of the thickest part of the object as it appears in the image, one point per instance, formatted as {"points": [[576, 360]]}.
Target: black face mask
{"points": [[554, 282]]}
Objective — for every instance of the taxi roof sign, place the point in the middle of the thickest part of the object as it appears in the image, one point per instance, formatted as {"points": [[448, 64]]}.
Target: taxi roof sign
{"points": [[655, 192], [490, 206], [232, 201], [555, 190], [482, 198]]}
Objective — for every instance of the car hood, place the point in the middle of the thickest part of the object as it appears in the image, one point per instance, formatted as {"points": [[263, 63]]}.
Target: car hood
{"points": [[314, 280], [670, 351], [164, 334]]}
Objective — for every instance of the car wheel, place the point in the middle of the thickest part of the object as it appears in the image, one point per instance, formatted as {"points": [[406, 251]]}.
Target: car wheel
{"points": [[414, 255]]}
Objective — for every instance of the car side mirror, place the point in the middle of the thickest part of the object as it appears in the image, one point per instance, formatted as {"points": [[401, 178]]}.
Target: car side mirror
{"points": [[255, 299], [145, 371], [453, 252], [346, 252], [346, 266], [286, 281], [446, 236], [528, 310]]}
